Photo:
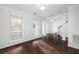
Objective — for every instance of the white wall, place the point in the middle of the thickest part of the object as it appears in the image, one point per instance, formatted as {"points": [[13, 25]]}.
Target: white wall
{"points": [[58, 21], [50, 27], [5, 13], [73, 24]]}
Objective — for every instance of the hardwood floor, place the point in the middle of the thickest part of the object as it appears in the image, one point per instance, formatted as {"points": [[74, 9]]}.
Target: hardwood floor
{"points": [[39, 47]]}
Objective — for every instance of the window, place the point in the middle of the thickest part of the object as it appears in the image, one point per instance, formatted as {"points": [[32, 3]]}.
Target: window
{"points": [[15, 27], [35, 28], [44, 27]]}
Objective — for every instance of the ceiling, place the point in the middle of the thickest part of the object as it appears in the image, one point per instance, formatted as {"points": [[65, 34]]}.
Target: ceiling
{"points": [[51, 9]]}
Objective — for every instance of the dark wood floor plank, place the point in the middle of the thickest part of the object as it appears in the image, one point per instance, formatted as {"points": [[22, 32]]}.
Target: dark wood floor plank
{"points": [[43, 47]]}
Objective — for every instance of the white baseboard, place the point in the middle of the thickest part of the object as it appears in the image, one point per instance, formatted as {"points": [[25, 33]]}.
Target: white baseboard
{"points": [[11, 43], [73, 45]]}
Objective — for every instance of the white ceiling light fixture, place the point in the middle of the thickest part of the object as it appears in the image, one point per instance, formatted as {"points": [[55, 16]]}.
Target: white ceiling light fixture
{"points": [[52, 20], [42, 6]]}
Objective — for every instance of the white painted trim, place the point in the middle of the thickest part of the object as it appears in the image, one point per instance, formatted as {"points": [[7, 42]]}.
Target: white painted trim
{"points": [[73, 45]]}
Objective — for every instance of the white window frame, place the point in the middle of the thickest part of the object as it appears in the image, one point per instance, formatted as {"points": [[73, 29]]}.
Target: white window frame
{"points": [[36, 30], [17, 33]]}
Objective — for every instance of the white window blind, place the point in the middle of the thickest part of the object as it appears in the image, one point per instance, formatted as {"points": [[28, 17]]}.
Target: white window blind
{"points": [[15, 27]]}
